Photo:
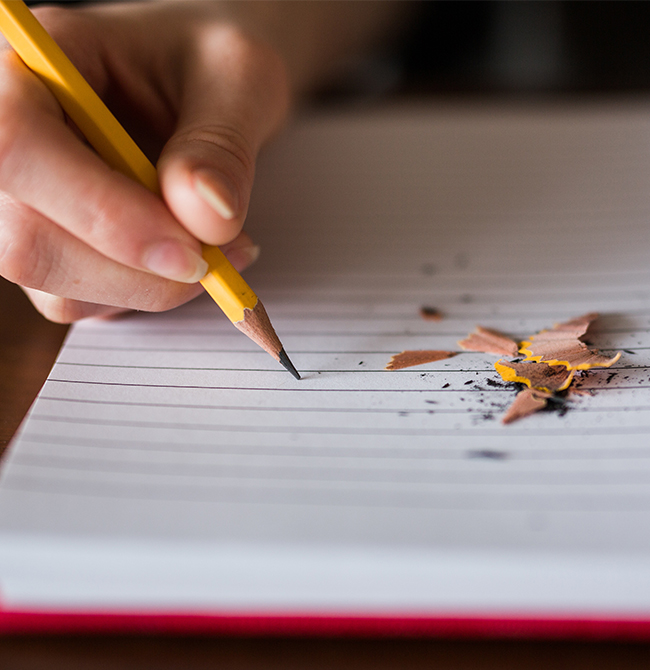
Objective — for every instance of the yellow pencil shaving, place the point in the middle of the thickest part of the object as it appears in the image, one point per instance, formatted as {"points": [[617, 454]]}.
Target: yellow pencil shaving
{"points": [[581, 357], [562, 345], [540, 376]]}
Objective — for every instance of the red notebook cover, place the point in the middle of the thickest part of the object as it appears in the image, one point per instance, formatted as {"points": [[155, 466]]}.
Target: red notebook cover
{"points": [[515, 625]]}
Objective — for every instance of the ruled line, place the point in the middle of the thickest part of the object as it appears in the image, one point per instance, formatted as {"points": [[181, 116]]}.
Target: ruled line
{"points": [[280, 390], [411, 315], [259, 352], [340, 473], [350, 498], [343, 410], [265, 408], [465, 389], [356, 370], [406, 332], [413, 452], [316, 430], [273, 370]]}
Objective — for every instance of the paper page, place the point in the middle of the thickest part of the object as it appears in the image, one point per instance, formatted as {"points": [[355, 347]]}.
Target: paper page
{"points": [[168, 461]]}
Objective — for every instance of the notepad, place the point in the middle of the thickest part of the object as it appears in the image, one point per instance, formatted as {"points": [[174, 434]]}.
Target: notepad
{"points": [[168, 467]]}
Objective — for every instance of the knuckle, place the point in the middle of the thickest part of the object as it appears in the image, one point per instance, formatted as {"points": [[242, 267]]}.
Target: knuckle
{"points": [[111, 224], [56, 309], [252, 66], [247, 56], [263, 73], [155, 294], [230, 41], [102, 215], [167, 296], [53, 17], [20, 258]]}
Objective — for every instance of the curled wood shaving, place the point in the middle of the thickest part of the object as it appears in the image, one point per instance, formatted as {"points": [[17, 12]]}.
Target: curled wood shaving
{"points": [[407, 359], [526, 402], [487, 341], [561, 346]]}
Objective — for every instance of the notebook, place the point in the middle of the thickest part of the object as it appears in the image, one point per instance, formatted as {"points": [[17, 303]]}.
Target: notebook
{"points": [[172, 476]]}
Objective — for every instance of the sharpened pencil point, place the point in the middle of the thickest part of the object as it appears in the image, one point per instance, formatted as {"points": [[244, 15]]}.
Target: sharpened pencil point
{"points": [[284, 359], [257, 326]]}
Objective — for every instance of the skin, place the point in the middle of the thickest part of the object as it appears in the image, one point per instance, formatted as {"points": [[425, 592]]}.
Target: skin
{"points": [[201, 86]]}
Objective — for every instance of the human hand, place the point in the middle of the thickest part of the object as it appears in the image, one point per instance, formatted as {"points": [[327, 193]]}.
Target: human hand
{"points": [[198, 94]]}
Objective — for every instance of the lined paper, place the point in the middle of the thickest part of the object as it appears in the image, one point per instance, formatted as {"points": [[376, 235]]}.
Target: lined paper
{"points": [[165, 446]]}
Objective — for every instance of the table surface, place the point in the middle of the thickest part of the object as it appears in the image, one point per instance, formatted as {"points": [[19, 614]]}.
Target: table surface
{"points": [[28, 347]]}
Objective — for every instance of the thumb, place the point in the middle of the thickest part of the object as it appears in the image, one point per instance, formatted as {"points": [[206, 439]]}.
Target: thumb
{"points": [[235, 95]]}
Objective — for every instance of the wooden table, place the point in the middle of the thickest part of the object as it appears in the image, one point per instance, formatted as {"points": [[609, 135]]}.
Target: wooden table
{"points": [[28, 347]]}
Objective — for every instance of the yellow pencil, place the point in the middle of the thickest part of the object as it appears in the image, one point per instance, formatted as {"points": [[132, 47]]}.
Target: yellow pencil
{"points": [[103, 131]]}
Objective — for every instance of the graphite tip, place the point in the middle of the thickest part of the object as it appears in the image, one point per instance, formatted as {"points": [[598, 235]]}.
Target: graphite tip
{"points": [[284, 359]]}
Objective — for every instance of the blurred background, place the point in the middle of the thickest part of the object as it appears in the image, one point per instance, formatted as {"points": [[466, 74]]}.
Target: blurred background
{"points": [[505, 47], [515, 47]]}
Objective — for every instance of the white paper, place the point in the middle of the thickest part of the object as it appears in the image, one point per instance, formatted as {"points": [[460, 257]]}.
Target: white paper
{"points": [[208, 478]]}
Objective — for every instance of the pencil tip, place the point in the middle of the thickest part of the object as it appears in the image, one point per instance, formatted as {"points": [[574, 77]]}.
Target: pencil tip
{"points": [[257, 326], [284, 359]]}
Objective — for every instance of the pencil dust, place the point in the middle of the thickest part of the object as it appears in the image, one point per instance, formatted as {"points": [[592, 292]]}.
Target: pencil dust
{"points": [[553, 358], [556, 363]]}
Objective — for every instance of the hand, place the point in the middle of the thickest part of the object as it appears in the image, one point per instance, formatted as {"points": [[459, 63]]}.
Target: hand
{"points": [[198, 94]]}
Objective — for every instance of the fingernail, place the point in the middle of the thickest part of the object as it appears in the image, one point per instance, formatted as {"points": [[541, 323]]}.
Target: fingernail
{"points": [[217, 194], [242, 257], [173, 260]]}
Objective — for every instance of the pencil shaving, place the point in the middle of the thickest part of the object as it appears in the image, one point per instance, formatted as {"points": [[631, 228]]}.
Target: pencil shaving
{"points": [[488, 341], [575, 327], [431, 314], [526, 402], [538, 376], [575, 356], [407, 359], [562, 346]]}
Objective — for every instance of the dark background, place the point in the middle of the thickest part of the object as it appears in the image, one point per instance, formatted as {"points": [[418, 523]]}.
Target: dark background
{"points": [[514, 48], [559, 46]]}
